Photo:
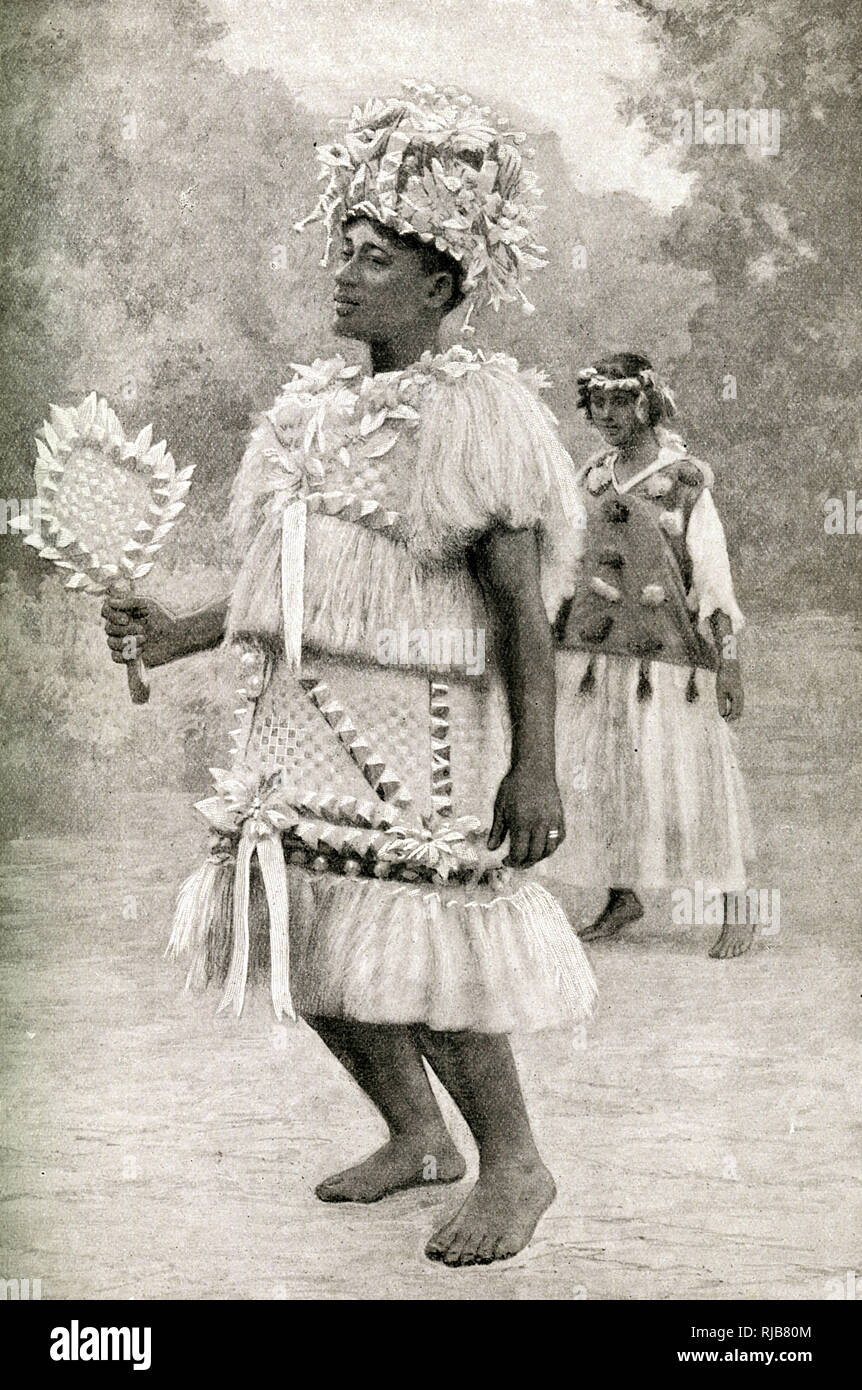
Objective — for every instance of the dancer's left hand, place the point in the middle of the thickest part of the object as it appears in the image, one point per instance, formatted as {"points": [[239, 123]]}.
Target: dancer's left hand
{"points": [[527, 809]]}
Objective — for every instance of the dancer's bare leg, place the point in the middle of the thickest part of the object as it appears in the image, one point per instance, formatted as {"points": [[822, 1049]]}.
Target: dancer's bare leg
{"points": [[386, 1062], [622, 907], [735, 937], [514, 1187]]}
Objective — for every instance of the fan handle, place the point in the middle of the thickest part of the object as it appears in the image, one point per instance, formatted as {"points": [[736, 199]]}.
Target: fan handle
{"points": [[139, 690]]}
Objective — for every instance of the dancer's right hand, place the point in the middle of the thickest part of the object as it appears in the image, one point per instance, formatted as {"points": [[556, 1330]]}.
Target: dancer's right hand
{"points": [[137, 626]]}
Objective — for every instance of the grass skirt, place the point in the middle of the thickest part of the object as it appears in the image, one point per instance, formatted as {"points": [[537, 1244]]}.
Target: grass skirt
{"points": [[494, 954], [652, 791]]}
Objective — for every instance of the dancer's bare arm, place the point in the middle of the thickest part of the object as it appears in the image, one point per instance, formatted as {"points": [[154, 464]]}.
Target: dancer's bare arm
{"points": [[528, 807], [137, 626]]}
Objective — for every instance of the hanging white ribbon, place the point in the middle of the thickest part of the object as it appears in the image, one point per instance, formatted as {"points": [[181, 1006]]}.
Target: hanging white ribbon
{"points": [[270, 854], [293, 524]]}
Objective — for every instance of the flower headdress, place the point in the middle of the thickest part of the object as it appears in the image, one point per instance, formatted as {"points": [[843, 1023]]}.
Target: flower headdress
{"points": [[434, 164], [644, 385]]}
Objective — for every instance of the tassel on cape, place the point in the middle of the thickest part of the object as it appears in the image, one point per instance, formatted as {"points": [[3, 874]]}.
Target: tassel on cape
{"points": [[588, 679], [558, 627], [644, 690]]}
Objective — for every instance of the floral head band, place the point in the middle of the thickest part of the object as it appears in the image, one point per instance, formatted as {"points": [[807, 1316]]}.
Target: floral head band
{"points": [[590, 379], [433, 164]]}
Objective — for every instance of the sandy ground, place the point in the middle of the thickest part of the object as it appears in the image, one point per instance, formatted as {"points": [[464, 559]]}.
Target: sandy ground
{"points": [[704, 1132]]}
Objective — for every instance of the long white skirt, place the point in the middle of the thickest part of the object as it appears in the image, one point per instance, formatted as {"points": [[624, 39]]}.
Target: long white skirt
{"points": [[652, 790]]}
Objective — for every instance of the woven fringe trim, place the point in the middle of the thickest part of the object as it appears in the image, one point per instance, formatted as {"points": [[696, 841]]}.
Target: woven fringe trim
{"points": [[654, 788], [358, 585], [453, 959], [293, 528], [255, 605], [469, 951]]}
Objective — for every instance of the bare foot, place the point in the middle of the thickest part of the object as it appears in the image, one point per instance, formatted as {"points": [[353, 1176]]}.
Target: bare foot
{"points": [[622, 907], [499, 1216], [408, 1161], [735, 940]]}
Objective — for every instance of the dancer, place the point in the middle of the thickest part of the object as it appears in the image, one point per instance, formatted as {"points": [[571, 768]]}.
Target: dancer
{"points": [[648, 649], [389, 522]]}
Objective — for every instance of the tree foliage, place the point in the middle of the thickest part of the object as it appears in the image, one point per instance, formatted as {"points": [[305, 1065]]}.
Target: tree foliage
{"points": [[780, 236]]}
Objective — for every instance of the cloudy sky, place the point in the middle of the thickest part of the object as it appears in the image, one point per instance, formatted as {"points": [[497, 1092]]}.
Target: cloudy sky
{"points": [[559, 60]]}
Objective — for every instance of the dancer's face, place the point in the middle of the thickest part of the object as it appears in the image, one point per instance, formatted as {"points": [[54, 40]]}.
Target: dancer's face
{"points": [[382, 289], [614, 415]]}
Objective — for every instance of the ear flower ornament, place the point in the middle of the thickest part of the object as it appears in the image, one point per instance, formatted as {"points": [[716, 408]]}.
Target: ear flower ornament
{"points": [[433, 164], [104, 504]]}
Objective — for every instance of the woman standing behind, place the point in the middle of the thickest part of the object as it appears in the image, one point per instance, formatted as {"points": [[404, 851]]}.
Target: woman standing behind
{"points": [[376, 512], [648, 649]]}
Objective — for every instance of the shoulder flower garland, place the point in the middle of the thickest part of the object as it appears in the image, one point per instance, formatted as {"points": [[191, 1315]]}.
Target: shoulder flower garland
{"points": [[327, 418]]}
